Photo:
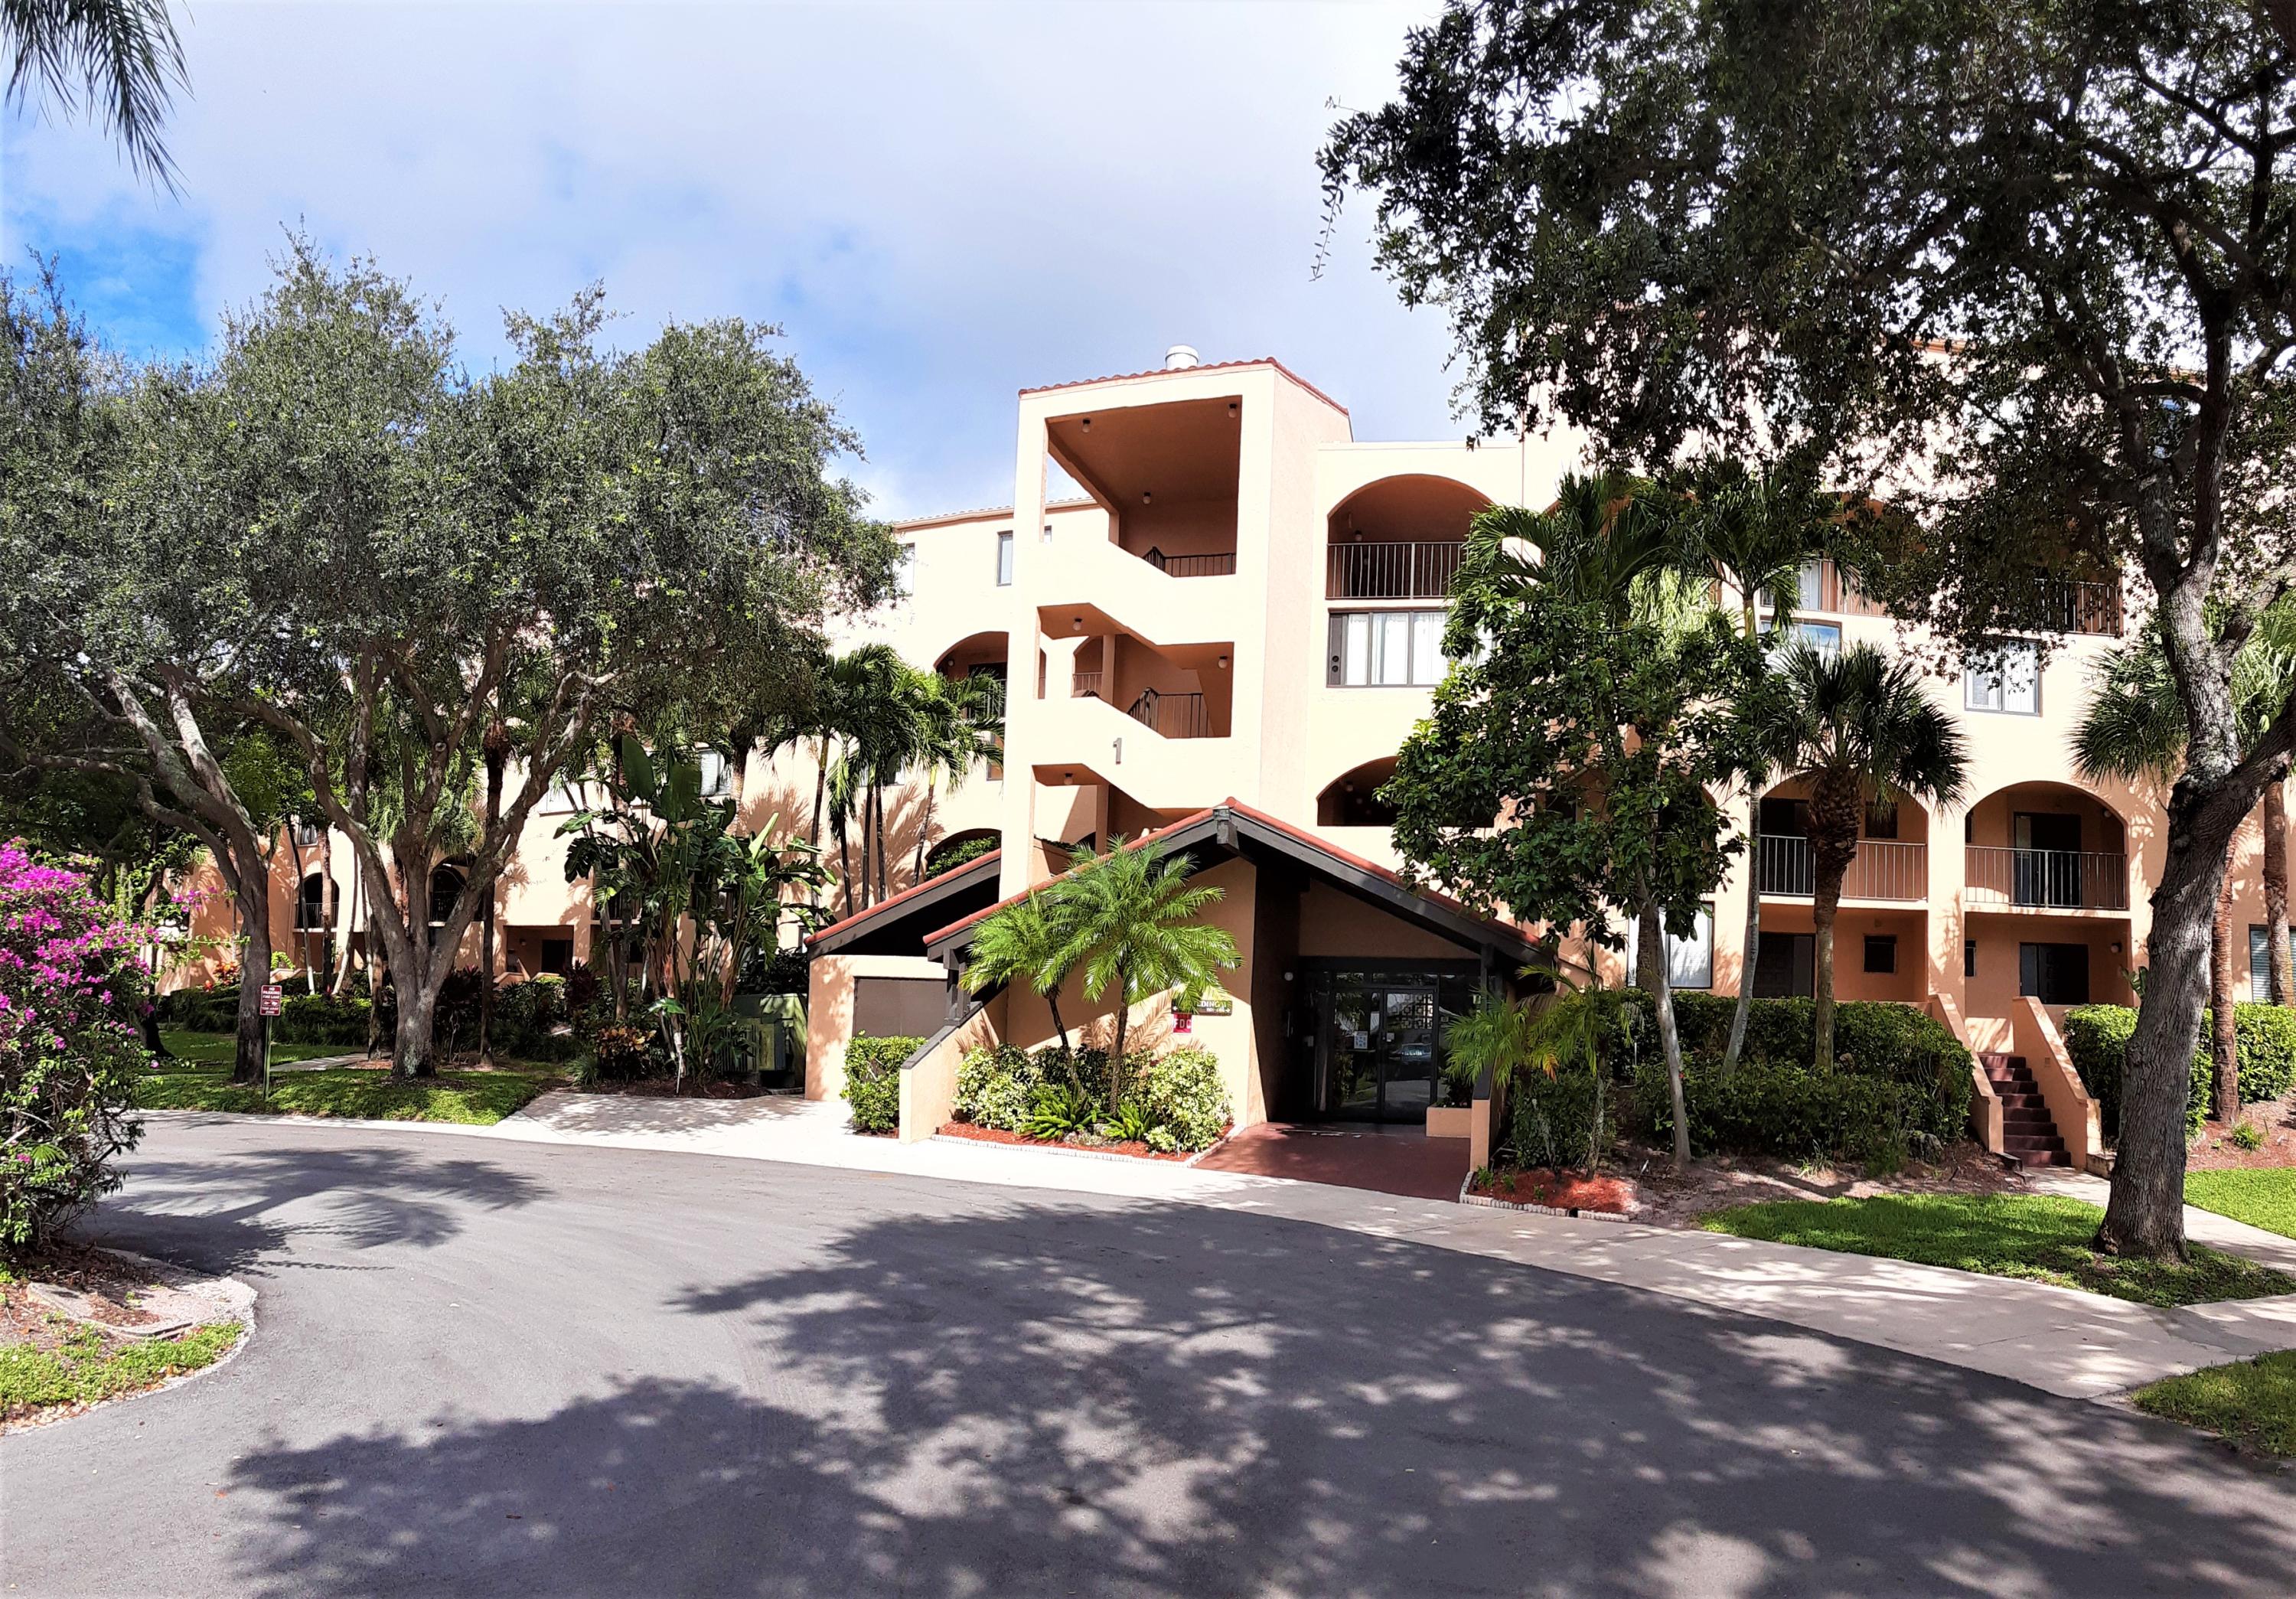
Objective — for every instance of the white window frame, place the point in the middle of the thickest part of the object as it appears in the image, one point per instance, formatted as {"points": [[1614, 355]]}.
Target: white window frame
{"points": [[1004, 560], [1368, 649], [1987, 689], [1689, 961]]}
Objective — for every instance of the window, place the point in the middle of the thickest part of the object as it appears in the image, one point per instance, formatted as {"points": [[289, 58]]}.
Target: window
{"points": [[1968, 957], [1881, 952], [1689, 961], [1807, 591], [2011, 681], [1882, 819], [1004, 561], [1785, 966], [1386, 649], [309, 831], [2054, 973], [558, 956], [2259, 962], [1824, 637]]}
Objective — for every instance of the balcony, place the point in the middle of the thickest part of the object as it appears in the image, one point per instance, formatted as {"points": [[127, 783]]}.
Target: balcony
{"points": [[2060, 879], [1390, 571], [1786, 868], [2064, 605], [1221, 564], [1172, 716]]}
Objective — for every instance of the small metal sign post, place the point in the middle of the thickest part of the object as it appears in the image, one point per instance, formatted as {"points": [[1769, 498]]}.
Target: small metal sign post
{"points": [[269, 1003]]}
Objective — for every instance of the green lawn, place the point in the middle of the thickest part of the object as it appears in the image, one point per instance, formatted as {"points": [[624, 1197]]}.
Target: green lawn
{"points": [[216, 1049], [2253, 1401], [82, 1370], [2041, 1237], [2263, 1197], [202, 1081]]}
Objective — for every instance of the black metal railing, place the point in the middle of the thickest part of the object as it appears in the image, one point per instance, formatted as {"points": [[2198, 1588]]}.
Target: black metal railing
{"points": [[1220, 565], [1390, 571], [1174, 715]]}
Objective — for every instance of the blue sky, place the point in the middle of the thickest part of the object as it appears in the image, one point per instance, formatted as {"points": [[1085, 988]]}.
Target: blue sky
{"points": [[940, 203]]}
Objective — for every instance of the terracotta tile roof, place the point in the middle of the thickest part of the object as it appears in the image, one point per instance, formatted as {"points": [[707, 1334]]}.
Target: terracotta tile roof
{"points": [[913, 889], [1126, 377]]}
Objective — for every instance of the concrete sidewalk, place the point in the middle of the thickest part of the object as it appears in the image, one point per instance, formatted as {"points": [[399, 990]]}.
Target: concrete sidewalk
{"points": [[2058, 1340]]}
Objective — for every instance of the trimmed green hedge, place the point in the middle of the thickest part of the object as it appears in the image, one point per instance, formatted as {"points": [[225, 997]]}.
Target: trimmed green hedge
{"points": [[873, 1081], [2096, 1037], [1900, 1086]]}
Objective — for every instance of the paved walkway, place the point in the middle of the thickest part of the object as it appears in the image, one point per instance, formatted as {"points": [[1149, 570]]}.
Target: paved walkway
{"points": [[1393, 1159], [2058, 1340]]}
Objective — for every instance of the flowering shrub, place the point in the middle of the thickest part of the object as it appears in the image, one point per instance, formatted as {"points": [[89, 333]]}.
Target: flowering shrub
{"points": [[70, 983]]}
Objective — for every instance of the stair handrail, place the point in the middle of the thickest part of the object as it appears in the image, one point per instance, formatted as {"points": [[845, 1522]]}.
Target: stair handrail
{"points": [[1985, 1108], [2036, 1037]]}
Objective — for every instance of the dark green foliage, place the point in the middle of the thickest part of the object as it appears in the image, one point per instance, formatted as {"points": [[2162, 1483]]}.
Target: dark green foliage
{"points": [[1769, 1107], [1551, 1121], [1900, 1084], [1178, 1095], [873, 1081], [948, 857], [2096, 1037], [1056, 1110]]}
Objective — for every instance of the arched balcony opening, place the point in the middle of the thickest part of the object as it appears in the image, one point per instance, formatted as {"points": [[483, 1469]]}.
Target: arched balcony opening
{"points": [[1891, 864], [2045, 846], [1352, 798], [1398, 538]]}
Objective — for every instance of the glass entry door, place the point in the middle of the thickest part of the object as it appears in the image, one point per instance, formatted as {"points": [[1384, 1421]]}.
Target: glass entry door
{"points": [[1385, 1049]]}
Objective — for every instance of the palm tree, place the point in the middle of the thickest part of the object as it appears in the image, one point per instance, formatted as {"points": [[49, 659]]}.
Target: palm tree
{"points": [[1131, 917], [1754, 530], [1856, 726], [2133, 728], [963, 725], [1025, 942], [122, 54]]}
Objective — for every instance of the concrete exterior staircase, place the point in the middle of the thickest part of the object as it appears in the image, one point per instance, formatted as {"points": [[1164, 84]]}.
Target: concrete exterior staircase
{"points": [[2029, 1132]]}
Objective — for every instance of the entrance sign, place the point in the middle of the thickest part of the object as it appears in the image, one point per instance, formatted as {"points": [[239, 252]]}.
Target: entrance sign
{"points": [[272, 999]]}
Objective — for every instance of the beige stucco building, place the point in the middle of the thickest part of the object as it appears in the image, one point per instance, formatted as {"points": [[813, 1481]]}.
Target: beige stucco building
{"points": [[1234, 626]]}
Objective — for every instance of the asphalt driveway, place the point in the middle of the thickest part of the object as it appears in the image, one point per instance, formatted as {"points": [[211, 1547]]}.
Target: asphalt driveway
{"points": [[489, 1367]]}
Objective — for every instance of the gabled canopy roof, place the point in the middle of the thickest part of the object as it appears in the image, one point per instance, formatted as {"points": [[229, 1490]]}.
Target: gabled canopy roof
{"points": [[897, 926], [1231, 830]]}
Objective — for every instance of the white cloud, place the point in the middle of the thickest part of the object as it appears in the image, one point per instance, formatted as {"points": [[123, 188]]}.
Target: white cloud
{"points": [[942, 203]]}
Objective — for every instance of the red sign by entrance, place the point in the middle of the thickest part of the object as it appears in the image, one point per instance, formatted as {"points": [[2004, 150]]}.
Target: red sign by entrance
{"points": [[270, 1001]]}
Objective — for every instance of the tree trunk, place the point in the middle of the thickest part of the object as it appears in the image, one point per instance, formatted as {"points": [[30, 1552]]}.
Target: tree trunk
{"points": [[924, 833], [1669, 1038], [1835, 804], [2224, 1036], [1123, 1023], [884, 845], [1052, 1004], [254, 897], [1650, 950], [1751, 950], [2275, 889], [418, 1010], [496, 753], [349, 921], [2145, 1215]]}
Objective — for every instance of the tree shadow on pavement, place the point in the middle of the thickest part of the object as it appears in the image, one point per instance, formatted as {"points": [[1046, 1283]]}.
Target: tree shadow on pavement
{"points": [[1037, 1397], [238, 1210]]}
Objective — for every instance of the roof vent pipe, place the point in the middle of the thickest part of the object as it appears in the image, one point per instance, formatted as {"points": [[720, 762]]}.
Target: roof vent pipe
{"points": [[1180, 357]]}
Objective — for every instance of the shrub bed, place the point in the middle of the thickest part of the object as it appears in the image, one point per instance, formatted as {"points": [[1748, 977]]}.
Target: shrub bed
{"points": [[1900, 1086], [1173, 1102], [873, 1081], [2096, 1037]]}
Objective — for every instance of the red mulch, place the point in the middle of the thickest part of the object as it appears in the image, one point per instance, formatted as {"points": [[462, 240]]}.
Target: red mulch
{"points": [[1560, 1190], [2212, 1151], [965, 1129]]}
